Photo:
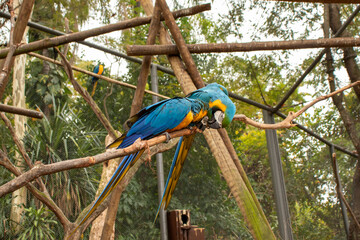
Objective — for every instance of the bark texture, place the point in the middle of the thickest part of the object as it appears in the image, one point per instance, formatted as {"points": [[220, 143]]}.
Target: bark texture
{"points": [[19, 197]]}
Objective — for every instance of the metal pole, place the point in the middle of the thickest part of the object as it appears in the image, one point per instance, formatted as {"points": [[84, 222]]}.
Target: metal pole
{"points": [[278, 179], [342, 204], [159, 162]]}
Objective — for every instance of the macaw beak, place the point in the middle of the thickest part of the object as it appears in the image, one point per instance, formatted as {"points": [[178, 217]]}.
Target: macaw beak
{"points": [[217, 119]]}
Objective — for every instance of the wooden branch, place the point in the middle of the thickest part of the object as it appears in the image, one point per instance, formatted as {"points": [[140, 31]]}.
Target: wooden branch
{"points": [[41, 169], [142, 50], [17, 140], [18, 32], [95, 75], [287, 122], [145, 66], [44, 196], [181, 45], [337, 181], [80, 36], [87, 97], [21, 111]]}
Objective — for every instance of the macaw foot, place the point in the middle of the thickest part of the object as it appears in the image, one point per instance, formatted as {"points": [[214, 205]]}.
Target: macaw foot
{"points": [[148, 158], [168, 137], [203, 124]]}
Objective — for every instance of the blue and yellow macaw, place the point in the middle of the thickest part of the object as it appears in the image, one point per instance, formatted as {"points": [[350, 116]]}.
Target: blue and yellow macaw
{"points": [[220, 113], [209, 107], [94, 80]]}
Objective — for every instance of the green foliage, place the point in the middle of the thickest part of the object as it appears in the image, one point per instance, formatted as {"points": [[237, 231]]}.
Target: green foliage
{"points": [[37, 225], [65, 136]]}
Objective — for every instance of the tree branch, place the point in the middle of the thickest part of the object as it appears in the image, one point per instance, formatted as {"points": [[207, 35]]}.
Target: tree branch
{"points": [[41, 169], [21, 111], [286, 123]]}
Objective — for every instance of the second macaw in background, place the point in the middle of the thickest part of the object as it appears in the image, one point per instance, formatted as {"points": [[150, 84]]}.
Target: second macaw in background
{"points": [[207, 107], [94, 80]]}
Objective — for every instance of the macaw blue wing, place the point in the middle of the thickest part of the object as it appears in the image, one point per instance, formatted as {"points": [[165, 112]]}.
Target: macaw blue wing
{"points": [[168, 115], [182, 150]]}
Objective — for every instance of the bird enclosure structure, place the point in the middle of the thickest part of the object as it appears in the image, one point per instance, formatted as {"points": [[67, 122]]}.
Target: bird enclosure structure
{"points": [[165, 39]]}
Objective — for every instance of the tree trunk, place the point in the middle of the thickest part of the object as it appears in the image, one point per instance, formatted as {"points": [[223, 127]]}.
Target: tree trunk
{"points": [[19, 197], [349, 123]]}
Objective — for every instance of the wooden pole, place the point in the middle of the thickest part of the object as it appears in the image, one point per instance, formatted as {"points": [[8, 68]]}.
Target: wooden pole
{"points": [[142, 50]]}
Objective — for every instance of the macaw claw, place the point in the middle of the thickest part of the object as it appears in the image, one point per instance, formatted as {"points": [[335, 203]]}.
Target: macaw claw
{"points": [[168, 137]]}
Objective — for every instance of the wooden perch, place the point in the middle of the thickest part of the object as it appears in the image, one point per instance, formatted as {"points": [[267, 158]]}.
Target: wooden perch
{"points": [[141, 50], [21, 111], [41, 169], [80, 36], [95, 75]]}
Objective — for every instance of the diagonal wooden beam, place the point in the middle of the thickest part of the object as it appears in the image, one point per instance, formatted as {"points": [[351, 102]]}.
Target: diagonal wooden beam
{"points": [[181, 45]]}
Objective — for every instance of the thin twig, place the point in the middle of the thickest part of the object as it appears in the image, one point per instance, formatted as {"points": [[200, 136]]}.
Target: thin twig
{"points": [[87, 97], [352, 214]]}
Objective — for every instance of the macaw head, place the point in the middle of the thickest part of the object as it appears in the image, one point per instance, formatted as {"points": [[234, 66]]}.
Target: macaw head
{"points": [[221, 108], [221, 111]]}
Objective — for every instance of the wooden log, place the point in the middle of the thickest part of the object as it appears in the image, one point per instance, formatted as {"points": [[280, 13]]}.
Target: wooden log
{"points": [[79, 36], [141, 50]]}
